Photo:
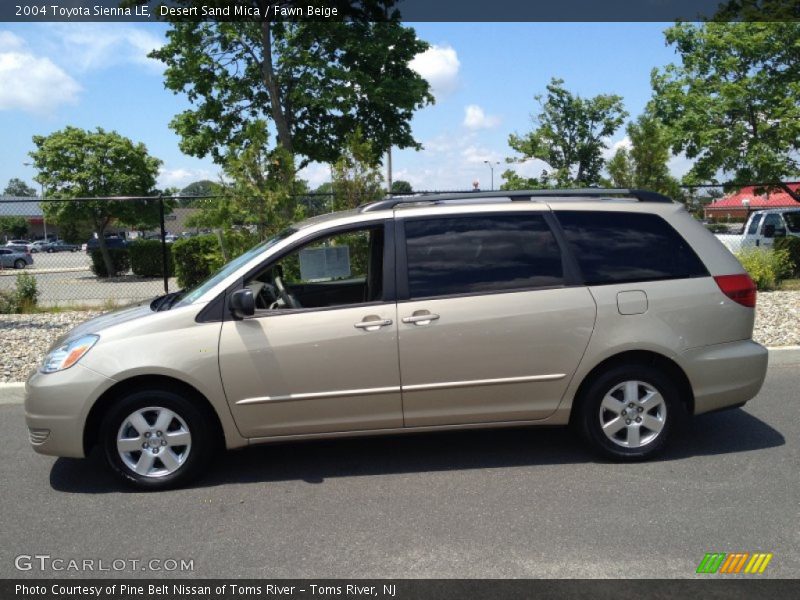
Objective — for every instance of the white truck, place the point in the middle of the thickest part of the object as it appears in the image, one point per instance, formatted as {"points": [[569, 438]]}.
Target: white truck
{"points": [[763, 227]]}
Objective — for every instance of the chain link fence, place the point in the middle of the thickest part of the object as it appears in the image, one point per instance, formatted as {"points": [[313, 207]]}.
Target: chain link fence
{"points": [[63, 255]]}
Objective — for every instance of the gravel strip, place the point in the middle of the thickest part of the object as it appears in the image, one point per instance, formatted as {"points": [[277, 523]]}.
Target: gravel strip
{"points": [[25, 338]]}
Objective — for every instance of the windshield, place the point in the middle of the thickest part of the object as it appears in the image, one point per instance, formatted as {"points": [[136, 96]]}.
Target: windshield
{"points": [[792, 221], [190, 296]]}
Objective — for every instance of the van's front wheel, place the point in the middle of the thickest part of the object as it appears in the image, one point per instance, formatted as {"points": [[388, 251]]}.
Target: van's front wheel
{"points": [[156, 439], [628, 412]]}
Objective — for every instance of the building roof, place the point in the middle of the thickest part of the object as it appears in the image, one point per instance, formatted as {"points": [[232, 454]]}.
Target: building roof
{"points": [[774, 199], [16, 206]]}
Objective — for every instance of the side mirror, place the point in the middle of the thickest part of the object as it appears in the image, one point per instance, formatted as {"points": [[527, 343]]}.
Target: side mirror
{"points": [[769, 231], [243, 304]]}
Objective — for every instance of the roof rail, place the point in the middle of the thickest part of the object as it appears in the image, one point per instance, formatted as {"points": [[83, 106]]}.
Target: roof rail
{"points": [[518, 195]]}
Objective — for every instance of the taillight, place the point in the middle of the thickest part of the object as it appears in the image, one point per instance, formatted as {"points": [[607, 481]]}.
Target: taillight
{"points": [[739, 288]]}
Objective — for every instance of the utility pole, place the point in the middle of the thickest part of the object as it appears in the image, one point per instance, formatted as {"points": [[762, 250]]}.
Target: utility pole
{"points": [[389, 170]]}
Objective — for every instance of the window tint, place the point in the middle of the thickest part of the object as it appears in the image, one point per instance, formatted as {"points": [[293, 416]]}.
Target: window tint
{"points": [[616, 247], [476, 254], [753, 229], [774, 220]]}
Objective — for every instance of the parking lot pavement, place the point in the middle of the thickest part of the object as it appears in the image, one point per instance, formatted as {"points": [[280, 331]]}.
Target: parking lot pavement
{"points": [[510, 503], [65, 278]]}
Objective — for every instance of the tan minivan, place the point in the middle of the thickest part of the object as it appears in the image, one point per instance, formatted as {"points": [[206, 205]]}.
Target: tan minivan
{"points": [[611, 310]]}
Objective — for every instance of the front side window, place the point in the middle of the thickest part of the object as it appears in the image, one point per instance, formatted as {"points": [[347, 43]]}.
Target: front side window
{"points": [[777, 223], [792, 221], [620, 247], [480, 254], [335, 270]]}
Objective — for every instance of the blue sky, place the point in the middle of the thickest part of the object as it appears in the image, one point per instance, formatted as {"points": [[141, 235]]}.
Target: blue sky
{"points": [[484, 76]]}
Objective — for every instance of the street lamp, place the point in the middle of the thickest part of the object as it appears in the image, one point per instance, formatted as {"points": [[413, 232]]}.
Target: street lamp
{"points": [[41, 204], [491, 168]]}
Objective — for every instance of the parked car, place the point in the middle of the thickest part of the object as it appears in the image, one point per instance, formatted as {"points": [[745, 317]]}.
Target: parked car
{"points": [[11, 258], [111, 242], [19, 245], [762, 227], [611, 310], [60, 246]]}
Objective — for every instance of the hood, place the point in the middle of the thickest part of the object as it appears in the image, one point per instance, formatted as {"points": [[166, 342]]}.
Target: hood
{"points": [[106, 320]]}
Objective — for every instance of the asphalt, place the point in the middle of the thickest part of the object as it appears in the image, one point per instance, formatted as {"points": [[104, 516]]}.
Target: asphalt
{"points": [[494, 504]]}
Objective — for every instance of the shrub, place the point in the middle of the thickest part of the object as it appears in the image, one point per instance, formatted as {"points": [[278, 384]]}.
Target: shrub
{"points": [[195, 259], [766, 267], [8, 302], [147, 261], [27, 293], [792, 246], [120, 259], [23, 298]]}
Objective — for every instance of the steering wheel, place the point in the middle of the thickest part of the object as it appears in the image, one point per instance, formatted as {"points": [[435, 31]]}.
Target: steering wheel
{"points": [[287, 298]]}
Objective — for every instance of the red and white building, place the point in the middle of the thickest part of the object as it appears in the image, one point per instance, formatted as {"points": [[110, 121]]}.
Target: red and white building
{"points": [[737, 206]]}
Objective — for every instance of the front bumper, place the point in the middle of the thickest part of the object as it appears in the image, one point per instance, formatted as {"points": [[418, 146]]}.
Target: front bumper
{"points": [[56, 408], [725, 375]]}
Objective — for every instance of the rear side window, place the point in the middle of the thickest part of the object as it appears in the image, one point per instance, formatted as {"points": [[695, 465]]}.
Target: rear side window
{"points": [[480, 254], [618, 247]]}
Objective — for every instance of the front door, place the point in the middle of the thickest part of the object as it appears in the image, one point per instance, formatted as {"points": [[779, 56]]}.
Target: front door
{"points": [[491, 330], [320, 355]]}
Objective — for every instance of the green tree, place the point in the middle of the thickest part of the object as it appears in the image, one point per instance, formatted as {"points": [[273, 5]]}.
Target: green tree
{"points": [[14, 227], [733, 103], [314, 81], [77, 163], [17, 187], [357, 179], [644, 165], [569, 136], [401, 187], [204, 187]]}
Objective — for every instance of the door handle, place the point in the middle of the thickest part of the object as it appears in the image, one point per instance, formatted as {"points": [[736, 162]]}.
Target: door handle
{"points": [[372, 323], [421, 317]]}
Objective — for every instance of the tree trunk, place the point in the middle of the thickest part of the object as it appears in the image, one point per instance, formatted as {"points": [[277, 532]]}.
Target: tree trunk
{"points": [[101, 243], [268, 73]]}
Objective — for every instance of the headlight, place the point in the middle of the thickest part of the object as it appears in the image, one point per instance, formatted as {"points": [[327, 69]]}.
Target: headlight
{"points": [[68, 354]]}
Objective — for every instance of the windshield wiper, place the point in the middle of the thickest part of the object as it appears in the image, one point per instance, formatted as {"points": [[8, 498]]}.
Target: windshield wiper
{"points": [[165, 301]]}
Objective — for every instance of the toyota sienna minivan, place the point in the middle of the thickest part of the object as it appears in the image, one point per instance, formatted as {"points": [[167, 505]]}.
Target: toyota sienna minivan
{"points": [[613, 311]]}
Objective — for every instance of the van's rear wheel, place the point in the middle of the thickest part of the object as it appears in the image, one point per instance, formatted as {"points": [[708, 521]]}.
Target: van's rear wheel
{"points": [[156, 439], [19, 264], [628, 412]]}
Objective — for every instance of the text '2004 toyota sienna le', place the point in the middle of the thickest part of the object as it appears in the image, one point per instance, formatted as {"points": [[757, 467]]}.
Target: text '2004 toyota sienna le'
{"points": [[611, 310]]}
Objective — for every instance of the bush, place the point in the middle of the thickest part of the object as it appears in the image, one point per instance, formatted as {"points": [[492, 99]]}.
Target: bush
{"points": [[8, 302], [147, 261], [792, 246], [23, 298], [766, 267], [195, 259], [120, 259]]}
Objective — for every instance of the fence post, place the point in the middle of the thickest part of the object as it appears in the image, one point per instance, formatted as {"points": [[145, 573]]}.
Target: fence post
{"points": [[164, 260]]}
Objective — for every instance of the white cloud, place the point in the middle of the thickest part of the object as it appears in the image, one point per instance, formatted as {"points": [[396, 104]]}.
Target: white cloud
{"points": [[478, 154], [180, 177], [31, 83], [92, 46], [10, 41], [476, 118], [439, 65], [315, 174]]}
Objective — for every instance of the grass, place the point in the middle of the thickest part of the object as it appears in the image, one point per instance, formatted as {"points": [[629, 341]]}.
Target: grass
{"points": [[790, 285]]}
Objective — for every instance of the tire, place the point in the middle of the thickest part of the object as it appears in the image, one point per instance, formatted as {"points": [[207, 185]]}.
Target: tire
{"points": [[50, 250], [19, 264], [155, 472], [628, 412]]}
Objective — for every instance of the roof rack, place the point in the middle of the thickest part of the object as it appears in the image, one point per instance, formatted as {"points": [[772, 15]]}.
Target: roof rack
{"points": [[518, 195]]}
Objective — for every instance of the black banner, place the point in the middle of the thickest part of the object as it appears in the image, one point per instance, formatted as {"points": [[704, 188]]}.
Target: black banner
{"points": [[732, 588], [409, 10]]}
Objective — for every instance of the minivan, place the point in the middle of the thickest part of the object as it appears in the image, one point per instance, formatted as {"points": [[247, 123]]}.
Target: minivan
{"points": [[612, 311]]}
